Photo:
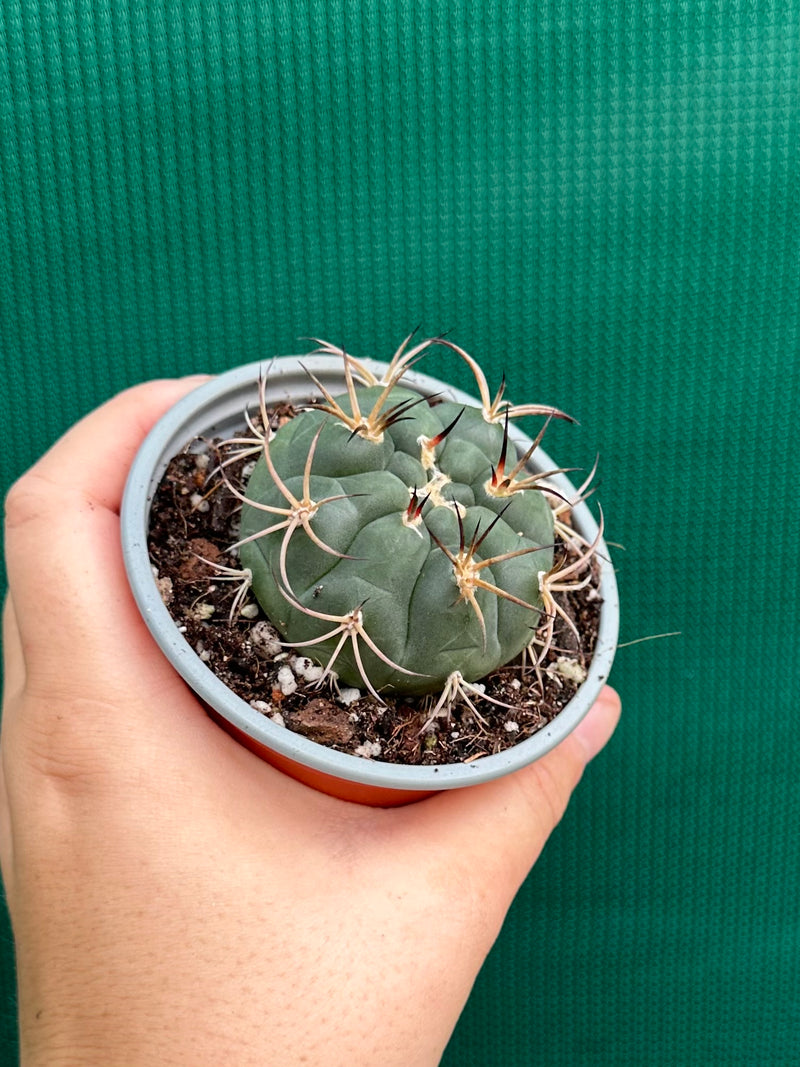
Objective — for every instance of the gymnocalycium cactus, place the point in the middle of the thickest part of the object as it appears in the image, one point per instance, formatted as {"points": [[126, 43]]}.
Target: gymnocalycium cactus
{"points": [[400, 540]]}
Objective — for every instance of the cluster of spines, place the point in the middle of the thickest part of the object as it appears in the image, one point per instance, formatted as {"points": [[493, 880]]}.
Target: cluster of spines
{"points": [[506, 480]]}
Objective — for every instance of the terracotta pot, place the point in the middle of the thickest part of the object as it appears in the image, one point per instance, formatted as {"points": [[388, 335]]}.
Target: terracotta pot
{"points": [[216, 409]]}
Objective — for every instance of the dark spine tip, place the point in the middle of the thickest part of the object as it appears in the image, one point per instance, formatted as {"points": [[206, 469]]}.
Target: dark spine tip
{"points": [[437, 440], [415, 506], [477, 543], [501, 463]]}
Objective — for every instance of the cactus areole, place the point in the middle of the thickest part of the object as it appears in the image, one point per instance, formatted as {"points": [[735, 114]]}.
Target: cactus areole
{"points": [[398, 539]]}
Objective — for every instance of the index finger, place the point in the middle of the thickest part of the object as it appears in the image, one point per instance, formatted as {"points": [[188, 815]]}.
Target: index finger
{"points": [[97, 451], [62, 524]]}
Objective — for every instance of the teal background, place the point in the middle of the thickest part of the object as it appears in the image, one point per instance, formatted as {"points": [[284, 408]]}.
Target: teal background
{"points": [[601, 199]]}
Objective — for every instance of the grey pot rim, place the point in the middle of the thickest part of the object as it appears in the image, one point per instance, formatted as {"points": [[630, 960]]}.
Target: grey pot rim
{"points": [[207, 411]]}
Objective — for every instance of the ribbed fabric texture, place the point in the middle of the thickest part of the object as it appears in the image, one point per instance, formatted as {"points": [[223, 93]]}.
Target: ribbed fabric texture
{"points": [[601, 199]]}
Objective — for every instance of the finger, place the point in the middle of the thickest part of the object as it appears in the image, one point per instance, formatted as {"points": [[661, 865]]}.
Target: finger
{"points": [[490, 835], [62, 530], [13, 683], [6, 840], [13, 659], [93, 456]]}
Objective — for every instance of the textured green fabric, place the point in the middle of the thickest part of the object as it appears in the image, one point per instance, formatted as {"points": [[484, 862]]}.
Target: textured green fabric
{"points": [[601, 198]]}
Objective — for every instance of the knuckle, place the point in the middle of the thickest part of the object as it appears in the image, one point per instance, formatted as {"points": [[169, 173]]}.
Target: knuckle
{"points": [[26, 501], [21, 504], [58, 741]]}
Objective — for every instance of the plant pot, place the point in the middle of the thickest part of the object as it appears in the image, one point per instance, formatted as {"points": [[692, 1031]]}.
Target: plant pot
{"points": [[215, 409]]}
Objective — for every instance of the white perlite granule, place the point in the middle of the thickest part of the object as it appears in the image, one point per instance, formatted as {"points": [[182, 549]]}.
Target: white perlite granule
{"points": [[369, 750], [306, 668], [348, 695], [199, 502], [287, 682], [202, 611], [571, 670], [264, 639]]}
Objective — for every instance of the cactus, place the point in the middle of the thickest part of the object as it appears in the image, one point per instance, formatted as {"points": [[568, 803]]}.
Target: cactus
{"points": [[400, 540]]}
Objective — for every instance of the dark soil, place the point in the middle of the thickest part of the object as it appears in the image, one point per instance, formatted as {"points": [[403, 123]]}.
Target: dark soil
{"points": [[194, 518]]}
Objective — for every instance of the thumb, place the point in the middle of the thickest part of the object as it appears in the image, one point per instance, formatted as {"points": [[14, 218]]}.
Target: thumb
{"points": [[501, 827]]}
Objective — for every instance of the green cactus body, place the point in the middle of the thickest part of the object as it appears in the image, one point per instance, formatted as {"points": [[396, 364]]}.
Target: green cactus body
{"points": [[388, 556]]}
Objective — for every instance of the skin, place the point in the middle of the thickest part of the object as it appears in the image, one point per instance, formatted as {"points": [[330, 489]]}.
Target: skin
{"points": [[174, 899]]}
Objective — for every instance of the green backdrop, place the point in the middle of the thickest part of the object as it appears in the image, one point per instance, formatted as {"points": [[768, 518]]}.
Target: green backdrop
{"points": [[601, 199]]}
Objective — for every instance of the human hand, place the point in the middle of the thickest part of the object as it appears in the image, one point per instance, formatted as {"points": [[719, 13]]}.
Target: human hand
{"points": [[174, 899]]}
